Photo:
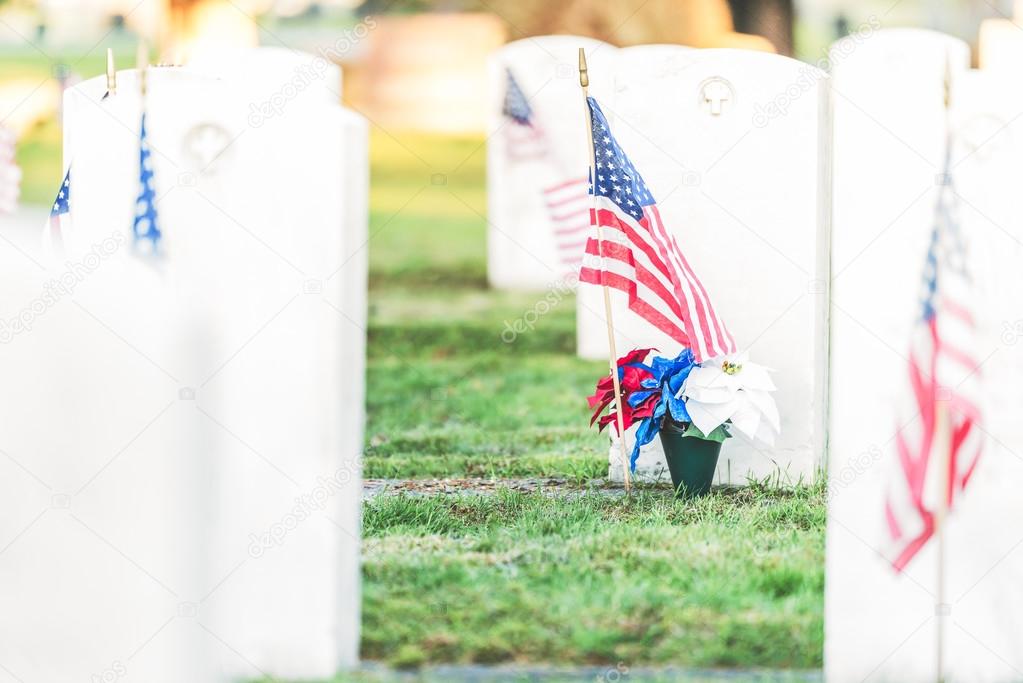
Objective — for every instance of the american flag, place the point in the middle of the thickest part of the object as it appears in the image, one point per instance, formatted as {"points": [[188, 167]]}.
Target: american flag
{"points": [[525, 140], [943, 394], [641, 257], [60, 215], [10, 174], [145, 226], [567, 201]]}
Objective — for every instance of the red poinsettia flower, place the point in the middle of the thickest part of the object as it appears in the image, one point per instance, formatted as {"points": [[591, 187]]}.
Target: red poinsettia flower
{"points": [[631, 374]]}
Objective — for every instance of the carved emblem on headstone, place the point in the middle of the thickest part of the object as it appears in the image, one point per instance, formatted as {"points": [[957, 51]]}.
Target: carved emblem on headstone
{"points": [[716, 95], [205, 146], [983, 136]]}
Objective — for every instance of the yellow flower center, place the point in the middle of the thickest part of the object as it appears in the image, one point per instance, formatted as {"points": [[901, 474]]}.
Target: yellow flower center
{"points": [[731, 368]]}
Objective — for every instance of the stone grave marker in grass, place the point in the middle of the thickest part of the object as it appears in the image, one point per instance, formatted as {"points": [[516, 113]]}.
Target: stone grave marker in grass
{"points": [[523, 250], [888, 173], [1000, 45], [196, 418], [736, 153]]}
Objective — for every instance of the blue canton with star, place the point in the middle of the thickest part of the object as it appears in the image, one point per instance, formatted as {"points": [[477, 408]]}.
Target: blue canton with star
{"points": [[62, 204], [930, 283], [516, 106], [946, 243], [145, 226], [616, 177]]}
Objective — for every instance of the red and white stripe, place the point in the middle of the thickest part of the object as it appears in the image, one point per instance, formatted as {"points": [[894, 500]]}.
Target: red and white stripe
{"points": [[525, 142], [568, 204], [944, 375], [643, 259]]}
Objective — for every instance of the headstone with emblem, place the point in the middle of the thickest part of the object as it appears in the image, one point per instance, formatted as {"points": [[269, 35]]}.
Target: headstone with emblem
{"points": [[537, 204], [880, 624], [736, 153], [213, 391]]}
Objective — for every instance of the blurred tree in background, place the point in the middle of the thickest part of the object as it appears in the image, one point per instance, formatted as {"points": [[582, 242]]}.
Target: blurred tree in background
{"points": [[697, 23], [700, 23]]}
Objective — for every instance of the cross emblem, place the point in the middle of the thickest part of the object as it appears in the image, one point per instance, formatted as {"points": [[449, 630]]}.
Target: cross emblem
{"points": [[205, 143], [715, 93]]}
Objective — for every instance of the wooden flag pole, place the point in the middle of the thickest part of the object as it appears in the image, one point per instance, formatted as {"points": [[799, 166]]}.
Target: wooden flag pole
{"points": [[940, 456], [142, 64], [584, 82], [111, 73], [942, 444]]}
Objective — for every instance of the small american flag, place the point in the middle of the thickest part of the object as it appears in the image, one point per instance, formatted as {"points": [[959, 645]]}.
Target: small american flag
{"points": [[944, 375], [10, 174], [60, 215], [567, 201], [525, 139], [145, 227], [641, 257]]}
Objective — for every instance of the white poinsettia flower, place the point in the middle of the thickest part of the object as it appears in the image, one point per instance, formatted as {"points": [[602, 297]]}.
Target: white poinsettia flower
{"points": [[731, 388]]}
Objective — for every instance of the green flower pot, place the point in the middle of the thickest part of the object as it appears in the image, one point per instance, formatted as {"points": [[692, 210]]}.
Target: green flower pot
{"points": [[691, 460]]}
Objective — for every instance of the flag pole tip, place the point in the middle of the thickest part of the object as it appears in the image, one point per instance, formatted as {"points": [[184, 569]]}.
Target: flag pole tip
{"points": [[584, 74], [948, 80], [142, 64], [111, 72]]}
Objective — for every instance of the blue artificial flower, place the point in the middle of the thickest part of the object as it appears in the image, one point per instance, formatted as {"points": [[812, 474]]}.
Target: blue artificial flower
{"points": [[668, 376]]}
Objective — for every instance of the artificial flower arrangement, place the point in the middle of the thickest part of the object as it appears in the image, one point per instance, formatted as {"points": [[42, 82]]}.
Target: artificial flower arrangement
{"points": [[693, 406]]}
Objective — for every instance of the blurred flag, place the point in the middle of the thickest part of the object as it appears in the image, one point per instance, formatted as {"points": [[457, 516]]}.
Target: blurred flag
{"points": [[525, 139], [10, 174], [60, 215], [567, 201], [145, 226], [641, 257], [944, 391], [568, 205]]}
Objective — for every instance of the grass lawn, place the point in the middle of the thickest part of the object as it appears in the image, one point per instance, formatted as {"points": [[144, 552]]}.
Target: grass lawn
{"points": [[734, 580]]}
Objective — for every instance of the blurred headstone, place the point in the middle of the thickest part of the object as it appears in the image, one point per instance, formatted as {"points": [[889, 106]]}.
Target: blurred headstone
{"points": [[735, 153], [236, 360], [10, 173], [888, 170], [536, 182], [420, 71], [1000, 42]]}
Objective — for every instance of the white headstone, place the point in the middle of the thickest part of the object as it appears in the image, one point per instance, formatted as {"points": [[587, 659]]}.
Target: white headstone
{"points": [[274, 78], [736, 154], [253, 323], [1000, 42], [522, 247], [106, 507], [890, 132]]}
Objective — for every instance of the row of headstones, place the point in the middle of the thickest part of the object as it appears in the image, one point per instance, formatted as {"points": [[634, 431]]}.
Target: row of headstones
{"points": [[805, 202], [182, 490]]}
